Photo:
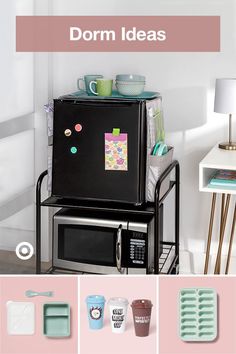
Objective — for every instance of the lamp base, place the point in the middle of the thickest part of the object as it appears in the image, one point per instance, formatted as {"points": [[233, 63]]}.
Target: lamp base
{"points": [[227, 146]]}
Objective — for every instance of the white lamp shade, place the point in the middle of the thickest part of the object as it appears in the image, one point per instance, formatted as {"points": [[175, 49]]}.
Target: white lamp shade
{"points": [[225, 96]]}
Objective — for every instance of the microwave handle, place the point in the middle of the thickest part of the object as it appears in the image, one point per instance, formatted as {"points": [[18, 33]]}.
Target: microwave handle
{"points": [[119, 249]]}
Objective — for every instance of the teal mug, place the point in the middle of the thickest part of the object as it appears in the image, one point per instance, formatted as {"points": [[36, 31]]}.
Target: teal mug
{"points": [[86, 83]]}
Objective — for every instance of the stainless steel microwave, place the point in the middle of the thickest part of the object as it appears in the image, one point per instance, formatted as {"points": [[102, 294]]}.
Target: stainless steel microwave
{"points": [[103, 243]]}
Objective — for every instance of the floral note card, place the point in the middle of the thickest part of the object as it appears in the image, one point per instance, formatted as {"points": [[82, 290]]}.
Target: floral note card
{"points": [[116, 157]]}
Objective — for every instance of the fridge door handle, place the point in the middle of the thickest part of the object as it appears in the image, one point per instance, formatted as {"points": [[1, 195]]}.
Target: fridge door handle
{"points": [[119, 249], [106, 103]]}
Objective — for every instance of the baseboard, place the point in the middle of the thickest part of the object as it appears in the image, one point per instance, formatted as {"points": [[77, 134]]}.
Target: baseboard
{"points": [[193, 263], [9, 238]]}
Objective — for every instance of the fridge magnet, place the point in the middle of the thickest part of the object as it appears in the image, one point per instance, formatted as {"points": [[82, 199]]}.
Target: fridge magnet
{"points": [[116, 147]]}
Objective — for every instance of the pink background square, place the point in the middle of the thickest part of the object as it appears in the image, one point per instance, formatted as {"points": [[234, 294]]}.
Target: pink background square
{"points": [[65, 289], [169, 339], [104, 341]]}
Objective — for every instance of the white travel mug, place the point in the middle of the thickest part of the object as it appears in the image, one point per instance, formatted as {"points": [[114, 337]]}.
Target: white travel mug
{"points": [[118, 313]]}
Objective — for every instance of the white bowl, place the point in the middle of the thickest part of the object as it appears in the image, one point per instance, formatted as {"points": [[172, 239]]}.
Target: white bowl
{"points": [[130, 83], [130, 77], [130, 89]]}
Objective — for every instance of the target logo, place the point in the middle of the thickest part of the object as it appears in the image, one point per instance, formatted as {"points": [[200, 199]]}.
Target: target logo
{"points": [[24, 251]]}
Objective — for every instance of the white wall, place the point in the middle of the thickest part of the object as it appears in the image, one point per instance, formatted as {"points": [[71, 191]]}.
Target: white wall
{"points": [[186, 81], [24, 89], [43, 93], [16, 132]]}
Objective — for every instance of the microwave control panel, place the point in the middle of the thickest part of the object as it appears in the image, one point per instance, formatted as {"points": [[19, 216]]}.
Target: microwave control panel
{"points": [[137, 248]]}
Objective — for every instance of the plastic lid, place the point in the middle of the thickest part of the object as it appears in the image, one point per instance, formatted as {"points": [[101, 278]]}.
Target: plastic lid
{"points": [[118, 301], [20, 318], [95, 299], [141, 304]]}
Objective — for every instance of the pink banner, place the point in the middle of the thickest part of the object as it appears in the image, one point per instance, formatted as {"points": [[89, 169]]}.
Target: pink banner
{"points": [[117, 33]]}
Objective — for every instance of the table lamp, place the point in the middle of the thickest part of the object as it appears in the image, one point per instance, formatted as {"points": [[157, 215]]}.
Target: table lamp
{"points": [[225, 102]]}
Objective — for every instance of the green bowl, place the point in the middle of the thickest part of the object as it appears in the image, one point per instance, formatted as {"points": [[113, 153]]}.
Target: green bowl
{"points": [[130, 89], [130, 78]]}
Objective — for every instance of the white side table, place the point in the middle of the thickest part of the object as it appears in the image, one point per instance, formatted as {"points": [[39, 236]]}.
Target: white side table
{"points": [[218, 159]]}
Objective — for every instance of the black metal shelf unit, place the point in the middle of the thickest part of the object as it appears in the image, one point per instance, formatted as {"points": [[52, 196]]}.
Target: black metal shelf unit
{"points": [[170, 250]]}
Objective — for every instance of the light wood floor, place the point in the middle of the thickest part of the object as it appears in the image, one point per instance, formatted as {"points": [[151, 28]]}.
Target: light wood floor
{"points": [[11, 264]]}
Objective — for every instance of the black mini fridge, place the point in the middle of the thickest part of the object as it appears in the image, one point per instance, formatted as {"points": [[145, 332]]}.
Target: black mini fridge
{"points": [[99, 149]]}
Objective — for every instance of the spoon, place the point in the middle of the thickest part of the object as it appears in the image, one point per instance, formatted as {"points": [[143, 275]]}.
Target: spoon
{"points": [[32, 293]]}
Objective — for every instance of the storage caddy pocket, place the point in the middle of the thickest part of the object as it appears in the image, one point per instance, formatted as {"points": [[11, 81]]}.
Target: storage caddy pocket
{"points": [[156, 165]]}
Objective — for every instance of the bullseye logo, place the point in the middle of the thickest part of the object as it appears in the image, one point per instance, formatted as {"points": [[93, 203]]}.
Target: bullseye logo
{"points": [[24, 251]]}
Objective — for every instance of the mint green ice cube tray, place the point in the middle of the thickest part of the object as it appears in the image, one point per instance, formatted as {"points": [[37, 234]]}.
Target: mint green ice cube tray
{"points": [[56, 319], [198, 314]]}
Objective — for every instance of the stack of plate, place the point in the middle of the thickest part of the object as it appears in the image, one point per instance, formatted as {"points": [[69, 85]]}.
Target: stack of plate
{"points": [[130, 85]]}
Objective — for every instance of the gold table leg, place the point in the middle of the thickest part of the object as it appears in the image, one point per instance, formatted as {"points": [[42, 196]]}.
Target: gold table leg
{"points": [[222, 232], [222, 211], [221, 219], [231, 241], [213, 204]]}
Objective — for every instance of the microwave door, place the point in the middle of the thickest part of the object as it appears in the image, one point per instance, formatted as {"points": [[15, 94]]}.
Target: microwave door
{"points": [[88, 245], [102, 158]]}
